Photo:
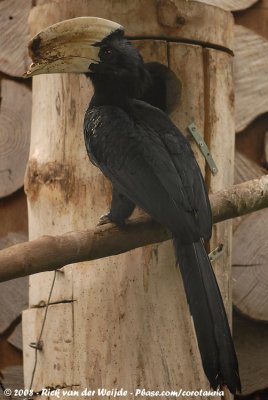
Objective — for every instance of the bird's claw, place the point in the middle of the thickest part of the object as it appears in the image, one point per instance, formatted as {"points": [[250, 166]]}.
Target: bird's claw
{"points": [[104, 219]]}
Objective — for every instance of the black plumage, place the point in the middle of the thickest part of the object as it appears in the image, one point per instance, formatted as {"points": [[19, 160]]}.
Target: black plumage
{"points": [[150, 164]]}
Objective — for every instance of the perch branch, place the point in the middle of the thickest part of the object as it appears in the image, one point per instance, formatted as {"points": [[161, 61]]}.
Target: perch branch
{"points": [[52, 252]]}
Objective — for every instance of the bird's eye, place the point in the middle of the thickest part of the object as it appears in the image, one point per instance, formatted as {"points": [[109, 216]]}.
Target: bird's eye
{"points": [[106, 53]]}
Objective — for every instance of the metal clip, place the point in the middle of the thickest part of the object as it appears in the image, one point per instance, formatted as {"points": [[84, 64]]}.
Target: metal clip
{"points": [[37, 345], [216, 253], [203, 148]]}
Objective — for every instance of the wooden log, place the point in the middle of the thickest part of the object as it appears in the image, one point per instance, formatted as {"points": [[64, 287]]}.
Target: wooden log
{"points": [[230, 5], [113, 332], [56, 393], [13, 299], [250, 71], [58, 345], [250, 338], [13, 379], [179, 20], [250, 252], [13, 296], [15, 122], [11, 239], [250, 141], [250, 260], [191, 105], [15, 339], [14, 36], [13, 215], [254, 18], [245, 169], [266, 148], [10, 355], [219, 136], [202, 99]]}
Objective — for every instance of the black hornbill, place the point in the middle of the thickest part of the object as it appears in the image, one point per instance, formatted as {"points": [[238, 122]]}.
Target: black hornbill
{"points": [[149, 163]]}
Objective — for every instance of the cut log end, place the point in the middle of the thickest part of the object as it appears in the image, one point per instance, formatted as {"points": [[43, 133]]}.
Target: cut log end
{"points": [[15, 123]]}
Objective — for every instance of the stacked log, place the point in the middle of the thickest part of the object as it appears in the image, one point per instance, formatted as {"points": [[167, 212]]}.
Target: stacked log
{"points": [[230, 5], [15, 119], [250, 250]]}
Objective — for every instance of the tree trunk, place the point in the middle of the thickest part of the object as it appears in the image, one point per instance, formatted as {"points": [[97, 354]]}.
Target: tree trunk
{"points": [[122, 321]]}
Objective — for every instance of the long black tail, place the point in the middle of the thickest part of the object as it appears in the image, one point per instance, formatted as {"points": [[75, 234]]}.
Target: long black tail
{"points": [[210, 320]]}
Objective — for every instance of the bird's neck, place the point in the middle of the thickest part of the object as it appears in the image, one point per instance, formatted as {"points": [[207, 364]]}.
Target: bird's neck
{"points": [[119, 90], [110, 98], [109, 92]]}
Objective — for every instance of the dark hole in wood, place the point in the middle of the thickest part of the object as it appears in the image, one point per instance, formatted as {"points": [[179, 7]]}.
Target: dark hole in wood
{"points": [[10, 17], [165, 91]]}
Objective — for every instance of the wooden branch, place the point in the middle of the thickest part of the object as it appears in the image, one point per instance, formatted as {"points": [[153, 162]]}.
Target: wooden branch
{"points": [[240, 199], [52, 252]]}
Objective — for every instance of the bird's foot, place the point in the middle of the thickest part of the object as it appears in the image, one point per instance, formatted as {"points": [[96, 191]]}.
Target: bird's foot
{"points": [[104, 219]]}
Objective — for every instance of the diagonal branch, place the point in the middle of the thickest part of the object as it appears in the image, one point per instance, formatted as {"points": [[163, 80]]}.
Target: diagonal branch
{"points": [[52, 252]]}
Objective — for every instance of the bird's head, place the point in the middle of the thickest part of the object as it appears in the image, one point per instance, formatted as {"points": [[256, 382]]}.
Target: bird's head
{"points": [[94, 46]]}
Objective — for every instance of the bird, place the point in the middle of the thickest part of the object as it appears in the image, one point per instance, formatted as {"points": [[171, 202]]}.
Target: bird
{"points": [[149, 163]]}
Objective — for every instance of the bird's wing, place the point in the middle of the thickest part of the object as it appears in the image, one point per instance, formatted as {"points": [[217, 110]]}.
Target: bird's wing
{"points": [[184, 161], [152, 168]]}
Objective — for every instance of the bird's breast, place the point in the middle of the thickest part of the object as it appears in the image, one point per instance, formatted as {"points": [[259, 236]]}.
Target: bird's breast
{"points": [[109, 135]]}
